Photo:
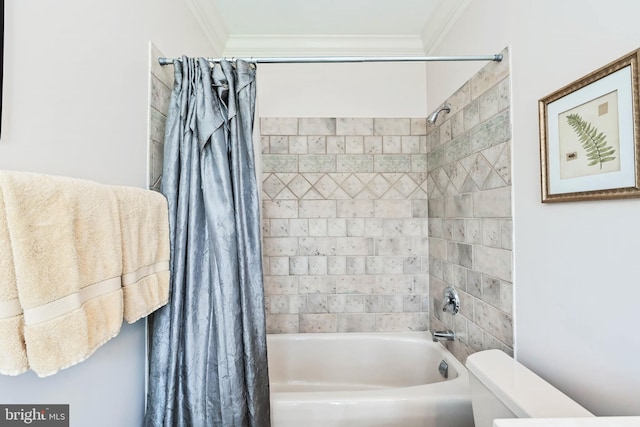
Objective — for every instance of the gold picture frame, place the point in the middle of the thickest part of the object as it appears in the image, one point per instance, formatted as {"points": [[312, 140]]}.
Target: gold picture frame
{"points": [[589, 136]]}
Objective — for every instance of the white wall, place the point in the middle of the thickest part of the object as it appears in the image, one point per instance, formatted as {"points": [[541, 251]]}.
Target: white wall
{"points": [[342, 90], [76, 83], [76, 77], [576, 264]]}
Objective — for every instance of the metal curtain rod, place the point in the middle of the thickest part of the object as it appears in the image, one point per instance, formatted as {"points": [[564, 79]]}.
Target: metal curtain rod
{"points": [[336, 59]]}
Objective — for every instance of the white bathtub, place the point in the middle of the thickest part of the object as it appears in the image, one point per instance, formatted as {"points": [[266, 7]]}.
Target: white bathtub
{"points": [[365, 380]]}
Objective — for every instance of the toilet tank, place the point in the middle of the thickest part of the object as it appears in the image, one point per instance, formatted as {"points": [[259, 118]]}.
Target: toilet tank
{"points": [[503, 388]]}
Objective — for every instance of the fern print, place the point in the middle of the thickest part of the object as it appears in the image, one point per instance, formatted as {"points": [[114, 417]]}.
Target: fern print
{"points": [[594, 142]]}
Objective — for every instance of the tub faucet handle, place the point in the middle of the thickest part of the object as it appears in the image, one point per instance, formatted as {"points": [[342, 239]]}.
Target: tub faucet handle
{"points": [[451, 301]]}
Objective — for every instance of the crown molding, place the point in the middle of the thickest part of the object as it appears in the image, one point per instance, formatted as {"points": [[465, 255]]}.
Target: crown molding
{"points": [[211, 23], [245, 46], [444, 17]]}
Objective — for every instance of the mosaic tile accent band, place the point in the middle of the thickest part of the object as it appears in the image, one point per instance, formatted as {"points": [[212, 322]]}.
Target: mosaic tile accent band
{"points": [[345, 224]]}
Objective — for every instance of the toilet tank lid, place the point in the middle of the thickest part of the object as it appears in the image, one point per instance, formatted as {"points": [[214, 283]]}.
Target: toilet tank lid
{"points": [[522, 391]]}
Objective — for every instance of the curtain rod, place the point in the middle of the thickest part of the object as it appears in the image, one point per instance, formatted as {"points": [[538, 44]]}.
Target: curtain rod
{"points": [[337, 59]]}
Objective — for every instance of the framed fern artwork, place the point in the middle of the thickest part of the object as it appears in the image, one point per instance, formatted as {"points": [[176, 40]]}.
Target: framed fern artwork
{"points": [[589, 136]]}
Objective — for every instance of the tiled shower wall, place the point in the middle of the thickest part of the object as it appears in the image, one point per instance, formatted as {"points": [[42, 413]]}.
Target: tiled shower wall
{"points": [[345, 224], [470, 224], [160, 84], [346, 218]]}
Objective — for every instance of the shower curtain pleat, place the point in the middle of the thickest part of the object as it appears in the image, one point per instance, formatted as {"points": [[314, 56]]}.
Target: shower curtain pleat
{"points": [[208, 360]]}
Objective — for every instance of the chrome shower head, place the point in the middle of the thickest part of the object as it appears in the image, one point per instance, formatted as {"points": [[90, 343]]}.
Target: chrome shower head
{"points": [[434, 116]]}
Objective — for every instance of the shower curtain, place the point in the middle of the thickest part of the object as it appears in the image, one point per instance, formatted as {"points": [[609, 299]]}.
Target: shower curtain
{"points": [[207, 358]]}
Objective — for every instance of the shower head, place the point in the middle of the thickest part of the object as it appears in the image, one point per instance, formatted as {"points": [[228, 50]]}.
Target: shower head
{"points": [[434, 116]]}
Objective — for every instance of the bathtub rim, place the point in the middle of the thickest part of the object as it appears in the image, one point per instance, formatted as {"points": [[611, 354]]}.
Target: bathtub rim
{"points": [[456, 388]]}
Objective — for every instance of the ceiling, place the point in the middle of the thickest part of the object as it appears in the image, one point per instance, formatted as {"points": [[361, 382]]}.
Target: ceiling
{"points": [[381, 27], [327, 17]]}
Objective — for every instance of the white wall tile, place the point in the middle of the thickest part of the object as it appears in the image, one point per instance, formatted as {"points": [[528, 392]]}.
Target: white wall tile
{"points": [[337, 265], [418, 126], [392, 126], [354, 144], [355, 265], [317, 284], [318, 265], [298, 145], [348, 126], [395, 322], [317, 126], [298, 265], [335, 145], [318, 323], [332, 188], [469, 209], [282, 323], [317, 145], [317, 209], [372, 144], [356, 323], [280, 285], [278, 126]]}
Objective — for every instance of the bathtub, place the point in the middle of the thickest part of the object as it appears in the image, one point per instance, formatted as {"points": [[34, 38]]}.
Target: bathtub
{"points": [[365, 380]]}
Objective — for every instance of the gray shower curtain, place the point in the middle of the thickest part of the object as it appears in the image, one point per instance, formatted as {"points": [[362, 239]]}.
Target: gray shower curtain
{"points": [[208, 358]]}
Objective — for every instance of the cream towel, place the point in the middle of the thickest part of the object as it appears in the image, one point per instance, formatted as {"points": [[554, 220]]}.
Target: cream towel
{"points": [[144, 222], [13, 353], [66, 243]]}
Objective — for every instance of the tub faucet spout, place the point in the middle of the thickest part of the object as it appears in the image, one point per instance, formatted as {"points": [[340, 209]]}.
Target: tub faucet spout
{"points": [[447, 335]]}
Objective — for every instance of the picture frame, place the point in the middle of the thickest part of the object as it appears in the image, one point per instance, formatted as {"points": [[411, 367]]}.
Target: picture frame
{"points": [[590, 136]]}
